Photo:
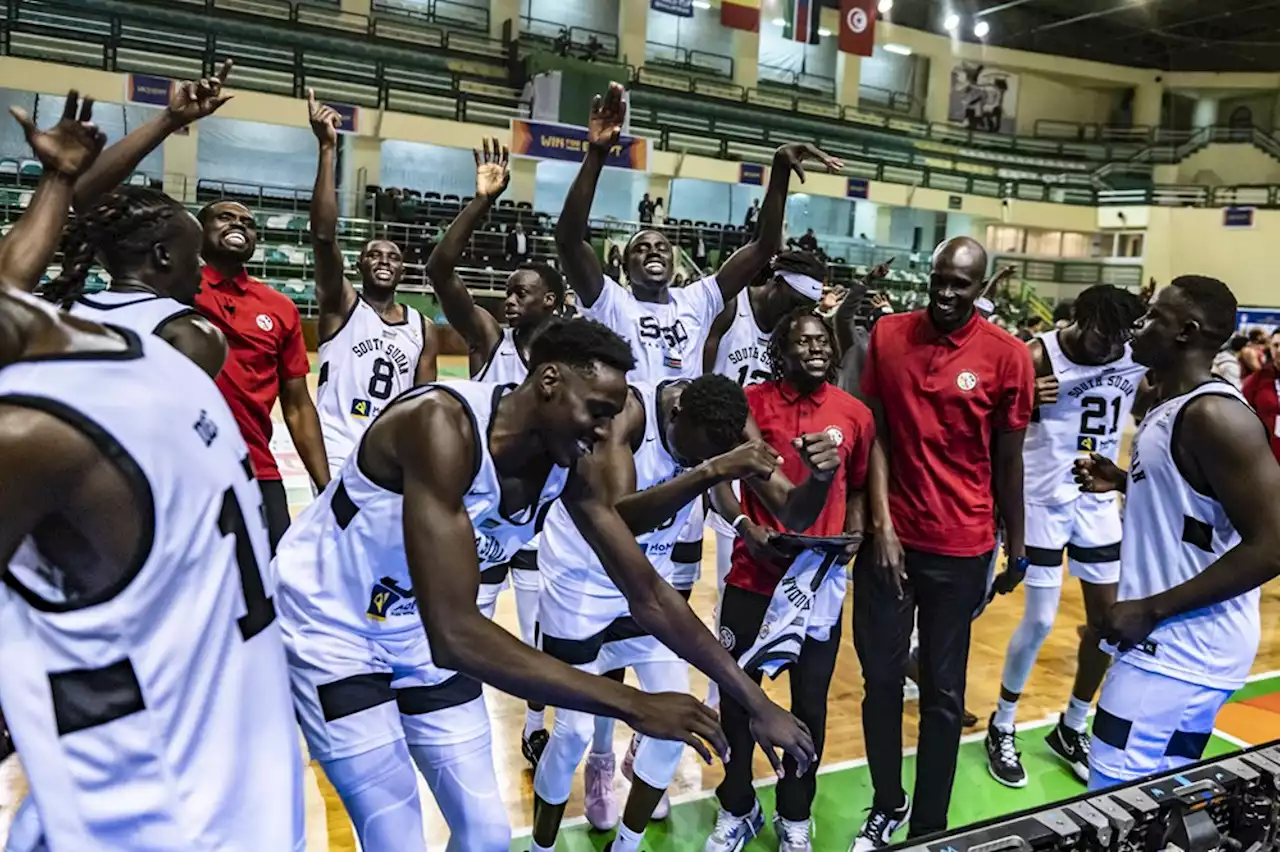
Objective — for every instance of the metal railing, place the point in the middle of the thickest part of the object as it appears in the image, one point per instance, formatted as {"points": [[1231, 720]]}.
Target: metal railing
{"points": [[694, 61]]}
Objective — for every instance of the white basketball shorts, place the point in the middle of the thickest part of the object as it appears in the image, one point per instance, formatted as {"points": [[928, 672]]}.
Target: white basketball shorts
{"points": [[1088, 528]]}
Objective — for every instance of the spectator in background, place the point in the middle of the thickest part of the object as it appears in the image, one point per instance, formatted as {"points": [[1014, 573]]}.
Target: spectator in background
{"points": [[808, 242], [1260, 391], [753, 213], [659, 212], [562, 43], [1253, 357], [594, 49], [700, 250], [517, 246], [1030, 327], [613, 268], [1226, 364], [646, 210], [1062, 314]]}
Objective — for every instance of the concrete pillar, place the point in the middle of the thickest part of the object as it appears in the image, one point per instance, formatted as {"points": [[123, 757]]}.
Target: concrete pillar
{"points": [[1206, 113], [660, 187], [633, 28], [524, 180], [938, 94], [1148, 104], [501, 11], [884, 225], [180, 164], [357, 7], [746, 58], [848, 78], [361, 166]]}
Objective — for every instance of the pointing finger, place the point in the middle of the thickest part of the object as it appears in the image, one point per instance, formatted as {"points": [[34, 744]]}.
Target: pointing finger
{"points": [[225, 70], [69, 105], [23, 118]]}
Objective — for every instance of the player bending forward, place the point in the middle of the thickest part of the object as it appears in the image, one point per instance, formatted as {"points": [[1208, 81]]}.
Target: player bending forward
{"points": [[451, 479]]}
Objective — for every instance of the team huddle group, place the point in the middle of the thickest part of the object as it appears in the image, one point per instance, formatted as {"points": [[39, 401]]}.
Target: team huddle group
{"points": [[167, 627]]}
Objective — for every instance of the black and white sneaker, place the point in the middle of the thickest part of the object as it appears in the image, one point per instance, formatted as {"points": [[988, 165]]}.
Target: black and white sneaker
{"points": [[534, 745], [1073, 747], [877, 831], [1003, 759]]}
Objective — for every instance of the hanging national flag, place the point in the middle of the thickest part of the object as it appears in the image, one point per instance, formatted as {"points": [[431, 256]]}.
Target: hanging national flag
{"points": [[740, 14], [802, 18], [858, 26]]}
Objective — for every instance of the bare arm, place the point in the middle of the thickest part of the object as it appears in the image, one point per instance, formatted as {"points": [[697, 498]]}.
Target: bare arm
{"points": [[476, 325], [719, 326], [745, 263], [796, 507], [428, 361], [304, 427], [334, 292], [846, 313], [1006, 464], [198, 339]]}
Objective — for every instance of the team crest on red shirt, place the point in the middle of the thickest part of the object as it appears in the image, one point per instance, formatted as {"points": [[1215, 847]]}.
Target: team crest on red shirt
{"points": [[265, 323], [966, 381], [834, 434]]}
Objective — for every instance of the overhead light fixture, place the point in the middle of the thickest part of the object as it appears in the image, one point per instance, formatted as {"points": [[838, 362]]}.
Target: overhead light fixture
{"points": [[885, 6], [951, 23], [981, 28], [779, 22], [900, 49], [701, 4], [823, 32]]}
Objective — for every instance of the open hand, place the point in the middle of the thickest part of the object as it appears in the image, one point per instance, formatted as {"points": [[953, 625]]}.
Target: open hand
{"points": [[192, 100], [681, 717], [325, 120], [880, 302], [1098, 474], [820, 453], [890, 560], [608, 114], [493, 170], [793, 155], [70, 146], [775, 729]]}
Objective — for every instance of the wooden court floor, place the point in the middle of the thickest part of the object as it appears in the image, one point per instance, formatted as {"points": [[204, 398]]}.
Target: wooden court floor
{"points": [[1046, 694]]}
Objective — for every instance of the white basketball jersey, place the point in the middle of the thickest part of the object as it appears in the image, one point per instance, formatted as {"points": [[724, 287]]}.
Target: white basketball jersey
{"points": [[744, 349], [667, 338], [506, 366], [153, 714], [1090, 415], [566, 559], [343, 562], [367, 363], [1172, 533], [141, 313]]}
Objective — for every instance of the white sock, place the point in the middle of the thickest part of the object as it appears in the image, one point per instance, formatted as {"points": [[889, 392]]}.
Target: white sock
{"points": [[534, 720], [1006, 711], [602, 740], [534, 847], [627, 840], [1077, 716]]}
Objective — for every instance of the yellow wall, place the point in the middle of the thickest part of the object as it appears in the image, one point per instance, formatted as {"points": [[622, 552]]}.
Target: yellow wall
{"points": [[1228, 165], [1044, 98], [1184, 241]]}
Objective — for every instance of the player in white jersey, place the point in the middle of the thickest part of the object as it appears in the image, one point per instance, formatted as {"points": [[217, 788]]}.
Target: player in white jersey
{"points": [[672, 442], [666, 327], [1201, 534], [402, 534], [137, 597], [535, 294], [1086, 385], [372, 348]]}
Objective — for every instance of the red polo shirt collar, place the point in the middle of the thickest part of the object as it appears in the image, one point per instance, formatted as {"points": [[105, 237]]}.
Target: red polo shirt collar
{"points": [[793, 394], [957, 338], [240, 281]]}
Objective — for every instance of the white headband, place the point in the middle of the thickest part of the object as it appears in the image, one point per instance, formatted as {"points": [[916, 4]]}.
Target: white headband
{"points": [[803, 284]]}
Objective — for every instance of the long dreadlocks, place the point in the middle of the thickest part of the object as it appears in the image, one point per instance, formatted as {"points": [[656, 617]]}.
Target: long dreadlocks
{"points": [[782, 331]]}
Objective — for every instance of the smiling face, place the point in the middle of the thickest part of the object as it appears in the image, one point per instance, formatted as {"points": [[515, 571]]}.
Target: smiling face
{"points": [[381, 266], [807, 353], [650, 261], [229, 232], [576, 408], [955, 282]]}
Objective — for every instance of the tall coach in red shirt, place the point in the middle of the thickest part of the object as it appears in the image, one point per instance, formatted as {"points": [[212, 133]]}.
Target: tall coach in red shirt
{"points": [[266, 356], [952, 395]]}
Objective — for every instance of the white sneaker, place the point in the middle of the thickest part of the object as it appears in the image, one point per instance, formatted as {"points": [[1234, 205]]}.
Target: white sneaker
{"points": [[878, 830], [792, 836], [602, 804], [732, 832]]}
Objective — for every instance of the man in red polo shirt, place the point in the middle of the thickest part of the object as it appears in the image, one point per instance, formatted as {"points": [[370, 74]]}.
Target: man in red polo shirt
{"points": [[1262, 391], [799, 400], [952, 395], [266, 356]]}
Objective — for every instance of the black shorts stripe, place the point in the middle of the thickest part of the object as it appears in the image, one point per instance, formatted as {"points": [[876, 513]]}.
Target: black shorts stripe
{"points": [[1044, 556], [1111, 729], [525, 560], [1187, 745], [687, 552], [579, 652], [1094, 555], [457, 690], [350, 695], [495, 575], [90, 697], [344, 508]]}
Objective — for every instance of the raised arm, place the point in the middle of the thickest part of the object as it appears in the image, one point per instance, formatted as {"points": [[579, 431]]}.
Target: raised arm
{"points": [[334, 292], [65, 151], [745, 263], [189, 101], [476, 325], [847, 312], [1230, 458], [578, 258], [436, 475]]}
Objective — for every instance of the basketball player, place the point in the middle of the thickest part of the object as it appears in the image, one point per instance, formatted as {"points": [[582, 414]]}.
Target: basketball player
{"points": [[115, 529], [666, 328], [1086, 382], [736, 347], [535, 294], [398, 541], [372, 348], [672, 442], [1201, 534]]}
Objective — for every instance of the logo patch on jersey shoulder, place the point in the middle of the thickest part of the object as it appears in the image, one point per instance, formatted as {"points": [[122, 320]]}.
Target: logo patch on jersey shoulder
{"points": [[361, 408], [265, 322], [966, 381], [388, 600], [1087, 443]]}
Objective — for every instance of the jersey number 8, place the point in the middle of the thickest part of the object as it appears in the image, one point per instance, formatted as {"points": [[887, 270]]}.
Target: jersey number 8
{"points": [[384, 373]]}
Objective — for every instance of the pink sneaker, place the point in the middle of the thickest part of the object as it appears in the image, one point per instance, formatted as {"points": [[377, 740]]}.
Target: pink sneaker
{"points": [[602, 806], [663, 808]]}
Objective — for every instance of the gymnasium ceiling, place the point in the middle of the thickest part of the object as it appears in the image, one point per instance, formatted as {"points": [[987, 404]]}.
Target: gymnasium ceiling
{"points": [[1171, 35]]}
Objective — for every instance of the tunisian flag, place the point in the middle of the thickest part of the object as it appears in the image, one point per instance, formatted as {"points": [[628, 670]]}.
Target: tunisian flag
{"points": [[858, 26]]}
